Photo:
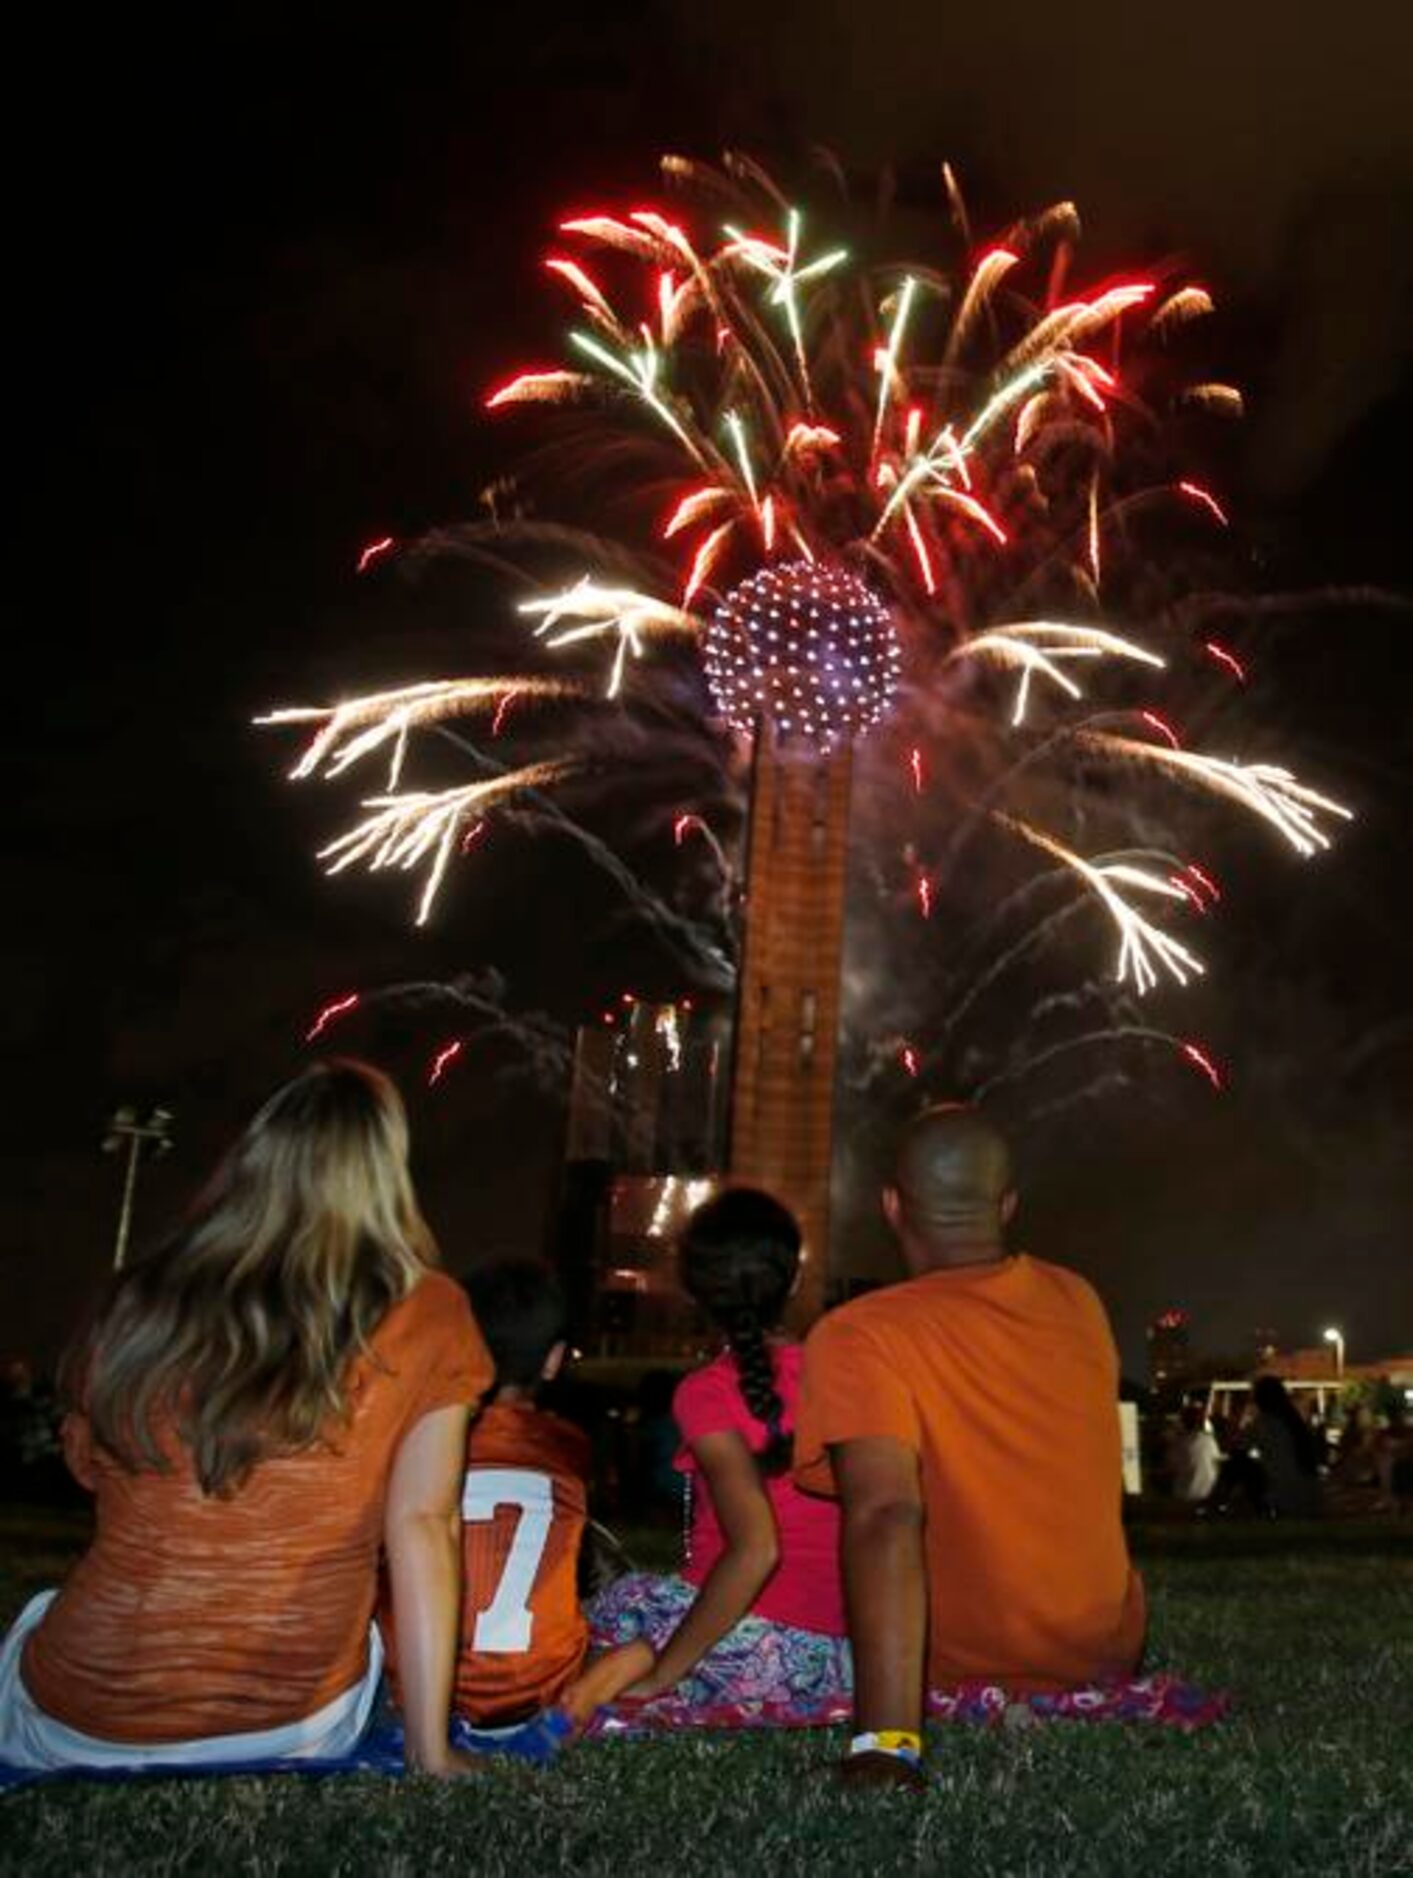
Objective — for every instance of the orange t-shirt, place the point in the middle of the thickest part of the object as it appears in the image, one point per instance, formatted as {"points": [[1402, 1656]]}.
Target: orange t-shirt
{"points": [[192, 1616], [1005, 1384], [524, 1635]]}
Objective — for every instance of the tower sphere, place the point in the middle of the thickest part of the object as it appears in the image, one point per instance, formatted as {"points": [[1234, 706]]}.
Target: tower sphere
{"points": [[807, 646]]}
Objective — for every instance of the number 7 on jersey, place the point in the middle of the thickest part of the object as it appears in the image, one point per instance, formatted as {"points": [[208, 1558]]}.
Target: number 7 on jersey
{"points": [[504, 1627]]}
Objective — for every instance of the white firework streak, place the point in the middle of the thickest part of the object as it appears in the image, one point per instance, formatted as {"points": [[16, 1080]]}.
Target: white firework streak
{"points": [[779, 266], [540, 388], [1039, 646], [404, 830], [946, 453], [608, 612], [639, 371], [1187, 303], [356, 727], [1142, 945], [993, 267], [1070, 326], [1267, 789]]}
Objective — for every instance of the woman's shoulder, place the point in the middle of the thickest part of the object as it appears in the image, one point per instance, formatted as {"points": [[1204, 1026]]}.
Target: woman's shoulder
{"points": [[427, 1352], [438, 1290], [434, 1299], [434, 1315]]}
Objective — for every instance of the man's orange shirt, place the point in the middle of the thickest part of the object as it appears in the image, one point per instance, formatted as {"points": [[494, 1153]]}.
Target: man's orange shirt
{"points": [[1004, 1382], [192, 1616], [524, 1635]]}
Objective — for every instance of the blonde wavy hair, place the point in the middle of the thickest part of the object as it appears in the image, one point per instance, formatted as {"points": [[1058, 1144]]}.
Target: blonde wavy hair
{"points": [[238, 1332]]}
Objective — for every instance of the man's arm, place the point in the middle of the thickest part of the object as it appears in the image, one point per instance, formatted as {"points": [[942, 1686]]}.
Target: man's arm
{"points": [[885, 1583], [858, 1435]]}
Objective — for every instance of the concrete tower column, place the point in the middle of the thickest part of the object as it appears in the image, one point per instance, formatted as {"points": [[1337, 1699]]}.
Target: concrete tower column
{"points": [[787, 1027]]}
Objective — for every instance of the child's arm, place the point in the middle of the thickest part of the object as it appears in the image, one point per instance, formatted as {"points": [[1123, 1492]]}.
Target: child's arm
{"points": [[735, 1581], [604, 1679]]}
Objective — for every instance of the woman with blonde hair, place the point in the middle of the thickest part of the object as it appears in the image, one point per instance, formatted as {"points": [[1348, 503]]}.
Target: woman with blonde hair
{"points": [[261, 1403]]}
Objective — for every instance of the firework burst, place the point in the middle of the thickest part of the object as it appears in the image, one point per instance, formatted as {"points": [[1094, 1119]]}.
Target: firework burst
{"points": [[863, 494]]}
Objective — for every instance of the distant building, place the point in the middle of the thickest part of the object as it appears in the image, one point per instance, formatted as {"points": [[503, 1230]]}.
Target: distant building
{"points": [[1169, 1349], [1265, 1346], [645, 1144], [1319, 1363], [1310, 1377]]}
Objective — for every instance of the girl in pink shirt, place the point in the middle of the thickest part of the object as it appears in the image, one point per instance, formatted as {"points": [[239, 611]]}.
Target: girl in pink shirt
{"points": [[757, 1612]]}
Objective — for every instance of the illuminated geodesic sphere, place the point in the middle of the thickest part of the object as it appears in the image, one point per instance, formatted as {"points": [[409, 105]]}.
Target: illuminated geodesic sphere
{"points": [[806, 646]]}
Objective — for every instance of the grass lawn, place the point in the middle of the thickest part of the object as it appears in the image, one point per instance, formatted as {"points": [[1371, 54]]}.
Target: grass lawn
{"points": [[1311, 1629]]}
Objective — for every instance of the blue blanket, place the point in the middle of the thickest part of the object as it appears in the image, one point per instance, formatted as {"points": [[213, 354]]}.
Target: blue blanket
{"points": [[379, 1752]]}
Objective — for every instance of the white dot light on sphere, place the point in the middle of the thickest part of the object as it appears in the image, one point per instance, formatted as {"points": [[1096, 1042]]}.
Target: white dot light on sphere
{"points": [[823, 622]]}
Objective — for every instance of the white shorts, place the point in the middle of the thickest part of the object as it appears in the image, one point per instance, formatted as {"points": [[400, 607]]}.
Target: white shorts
{"points": [[29, 1738]]}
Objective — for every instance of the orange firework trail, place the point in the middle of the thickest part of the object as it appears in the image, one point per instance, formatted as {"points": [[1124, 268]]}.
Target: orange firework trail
{"points": [[1199, 1058], [372, 552], [443, 1061], [1163, 728], [1196, 493], [1203, 880], [1224, 657], [688, 824], [329, 1014]]}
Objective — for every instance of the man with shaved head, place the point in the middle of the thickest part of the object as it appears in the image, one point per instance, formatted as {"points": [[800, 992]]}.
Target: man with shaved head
{"points": [[967, 1421]]}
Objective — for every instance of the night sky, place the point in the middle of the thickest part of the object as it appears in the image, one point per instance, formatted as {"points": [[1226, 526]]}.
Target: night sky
{"points": [[269, 267]]}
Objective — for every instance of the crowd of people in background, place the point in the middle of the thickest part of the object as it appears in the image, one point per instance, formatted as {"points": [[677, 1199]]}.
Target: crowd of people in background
{"points": [[1270, 1458], [1196, 1456]]}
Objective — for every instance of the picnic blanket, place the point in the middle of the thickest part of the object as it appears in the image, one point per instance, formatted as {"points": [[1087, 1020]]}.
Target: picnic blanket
{"points": [[1162, 1699]]}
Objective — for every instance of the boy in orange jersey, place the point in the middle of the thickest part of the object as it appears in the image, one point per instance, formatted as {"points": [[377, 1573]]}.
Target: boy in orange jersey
{"points": [[524, 1636]]}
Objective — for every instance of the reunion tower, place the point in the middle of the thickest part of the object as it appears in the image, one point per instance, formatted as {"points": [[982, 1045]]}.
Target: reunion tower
{"points": [[802, 657]]}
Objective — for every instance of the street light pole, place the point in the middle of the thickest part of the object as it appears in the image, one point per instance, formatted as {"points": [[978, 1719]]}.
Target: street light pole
{"points": [[125, 1127], [1336, 1337]]}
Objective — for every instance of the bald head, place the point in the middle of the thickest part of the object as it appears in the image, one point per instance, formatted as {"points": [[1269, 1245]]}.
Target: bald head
{"points": [[952, 1183]]}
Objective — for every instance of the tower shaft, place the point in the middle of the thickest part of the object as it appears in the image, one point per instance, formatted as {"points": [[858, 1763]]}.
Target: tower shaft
{"points": [[787, 1025]]}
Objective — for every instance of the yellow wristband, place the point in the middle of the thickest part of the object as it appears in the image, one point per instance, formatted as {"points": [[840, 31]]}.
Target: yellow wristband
{"points": [[902, 1743]]}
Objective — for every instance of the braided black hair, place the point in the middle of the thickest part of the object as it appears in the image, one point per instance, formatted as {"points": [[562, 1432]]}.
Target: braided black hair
{"points": [[739, 1255]]}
